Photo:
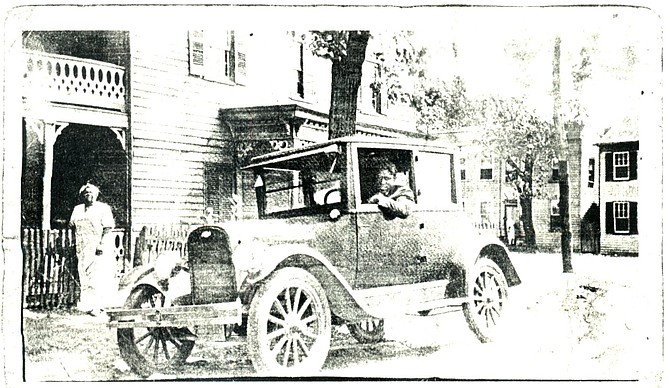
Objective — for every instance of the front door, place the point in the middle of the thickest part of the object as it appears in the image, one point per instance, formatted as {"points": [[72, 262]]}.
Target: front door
{"points": [[388, 249], [387, 244]]}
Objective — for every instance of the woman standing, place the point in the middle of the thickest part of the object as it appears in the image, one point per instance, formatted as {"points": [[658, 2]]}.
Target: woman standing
{"points": [[92, 221]]}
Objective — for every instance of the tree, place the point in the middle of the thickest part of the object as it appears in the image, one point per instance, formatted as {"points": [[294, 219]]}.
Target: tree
{"points": [[398, 52], [528, 146], [443, 106], [346, 50]]}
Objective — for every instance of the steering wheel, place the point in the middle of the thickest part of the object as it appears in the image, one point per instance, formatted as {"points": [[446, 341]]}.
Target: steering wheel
{"points": [[328, 193]]}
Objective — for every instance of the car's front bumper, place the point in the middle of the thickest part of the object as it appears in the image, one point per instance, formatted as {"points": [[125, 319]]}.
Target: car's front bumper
{"points": [[227, 313]]}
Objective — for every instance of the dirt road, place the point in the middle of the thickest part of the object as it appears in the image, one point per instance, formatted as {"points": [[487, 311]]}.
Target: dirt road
{"points": [[559, 327]]}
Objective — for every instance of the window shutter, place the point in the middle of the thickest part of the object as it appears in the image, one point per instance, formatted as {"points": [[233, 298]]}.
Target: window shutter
{"points": [[609, 167], [196, 52], [632, 160], [241, 58], [633, 217], [609, 217]]}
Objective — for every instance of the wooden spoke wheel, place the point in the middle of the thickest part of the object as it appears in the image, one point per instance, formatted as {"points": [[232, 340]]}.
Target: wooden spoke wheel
{"points": [[289, 324], [151, 349]]}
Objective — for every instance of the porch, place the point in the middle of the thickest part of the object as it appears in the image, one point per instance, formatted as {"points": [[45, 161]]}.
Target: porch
{"points": [[50, 276]]}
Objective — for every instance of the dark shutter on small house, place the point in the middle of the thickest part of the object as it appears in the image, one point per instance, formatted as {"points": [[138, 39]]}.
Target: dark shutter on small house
{"points": [[609, 217], [609, 167], [632, 160], [633, 217]]}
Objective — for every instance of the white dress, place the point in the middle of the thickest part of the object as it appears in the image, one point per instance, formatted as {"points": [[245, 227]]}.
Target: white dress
{"points": [[96, 272]]}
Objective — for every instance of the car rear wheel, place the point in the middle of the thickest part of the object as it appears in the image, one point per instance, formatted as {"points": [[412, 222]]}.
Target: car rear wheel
{"points": [[487, 296], [367, 331], [150, 349], [289, 325]]}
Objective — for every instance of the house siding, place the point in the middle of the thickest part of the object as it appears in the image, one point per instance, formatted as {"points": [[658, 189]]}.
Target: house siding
{"points": [[175, 130]]}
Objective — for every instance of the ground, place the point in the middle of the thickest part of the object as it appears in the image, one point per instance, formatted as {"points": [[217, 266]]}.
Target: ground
{"points": [[600, 323]]}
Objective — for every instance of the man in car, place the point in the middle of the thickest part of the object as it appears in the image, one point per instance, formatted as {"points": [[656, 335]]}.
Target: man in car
{"points": [[394, 200]]}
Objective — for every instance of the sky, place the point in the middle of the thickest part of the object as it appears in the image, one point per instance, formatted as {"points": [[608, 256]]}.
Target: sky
{"points": [[625, 48]]}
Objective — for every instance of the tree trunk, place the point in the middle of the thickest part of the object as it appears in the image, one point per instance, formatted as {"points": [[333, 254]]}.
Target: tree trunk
{"points": [[526, 203], [564, 211], [564, 190], [346, 79]]}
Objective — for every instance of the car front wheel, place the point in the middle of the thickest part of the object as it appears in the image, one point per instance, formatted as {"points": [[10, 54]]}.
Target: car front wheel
{"points": [[289, 325], [151, 349], [487, 296]]}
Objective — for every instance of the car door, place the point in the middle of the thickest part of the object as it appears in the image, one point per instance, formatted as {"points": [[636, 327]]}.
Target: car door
{"points": [[387, 247], [441, 222]]}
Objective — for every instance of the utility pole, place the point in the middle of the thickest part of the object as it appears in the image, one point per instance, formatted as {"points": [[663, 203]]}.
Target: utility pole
{"points": [[563, 183]]}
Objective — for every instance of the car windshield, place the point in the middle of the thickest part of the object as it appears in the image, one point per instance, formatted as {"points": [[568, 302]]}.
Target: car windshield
{"points": [[307, 181]]}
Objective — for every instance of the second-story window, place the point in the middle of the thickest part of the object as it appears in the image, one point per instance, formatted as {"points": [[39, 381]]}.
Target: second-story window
{"points": [[300, 70], [621, 164], [371, 97], [217, 55]]}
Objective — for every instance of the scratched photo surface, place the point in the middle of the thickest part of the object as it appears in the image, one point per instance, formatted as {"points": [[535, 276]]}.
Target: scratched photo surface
{"points": [[317, 192]]}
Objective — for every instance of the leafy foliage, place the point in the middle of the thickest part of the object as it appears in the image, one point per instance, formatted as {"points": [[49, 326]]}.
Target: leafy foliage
{"points": [[527, 143], [329, 44], [403, 64], [443, 106]]}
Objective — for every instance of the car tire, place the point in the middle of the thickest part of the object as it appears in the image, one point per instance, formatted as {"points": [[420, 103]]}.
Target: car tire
{"points": [[487, 297], [148, 350], [367, 331], [289, 324]]}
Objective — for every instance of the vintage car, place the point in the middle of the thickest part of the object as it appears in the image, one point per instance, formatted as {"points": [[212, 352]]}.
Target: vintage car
{"points": [[319, 255]]}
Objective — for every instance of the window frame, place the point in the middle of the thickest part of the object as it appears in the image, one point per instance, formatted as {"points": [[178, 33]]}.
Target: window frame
{"points": [[485, 212], [591, 173], [486, 164], [481, 173], [359, 202], [221, 63], [616, 166], [621, 207]]}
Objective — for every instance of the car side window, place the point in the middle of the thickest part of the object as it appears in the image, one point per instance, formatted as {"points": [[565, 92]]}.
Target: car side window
{"points": [[435, 180], [372, 160]]}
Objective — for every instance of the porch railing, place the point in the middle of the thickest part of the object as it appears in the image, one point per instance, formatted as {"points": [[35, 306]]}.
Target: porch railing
{"points": [[154, 239], [49, 268], [50, 276], [71, 80]]}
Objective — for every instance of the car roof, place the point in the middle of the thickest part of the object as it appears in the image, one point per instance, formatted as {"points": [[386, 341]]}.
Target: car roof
{"points": [[369, 141]]}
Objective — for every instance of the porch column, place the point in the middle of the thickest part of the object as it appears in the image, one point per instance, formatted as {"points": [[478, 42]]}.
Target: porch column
{"points": [[49, 133]]}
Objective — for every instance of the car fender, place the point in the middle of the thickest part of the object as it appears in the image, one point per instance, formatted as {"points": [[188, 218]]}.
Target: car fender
{"points": [[175, 288], [340, 294], [469, 253]]}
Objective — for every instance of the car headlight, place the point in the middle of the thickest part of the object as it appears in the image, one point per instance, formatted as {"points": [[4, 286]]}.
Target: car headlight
{"points": [[165, 264]]}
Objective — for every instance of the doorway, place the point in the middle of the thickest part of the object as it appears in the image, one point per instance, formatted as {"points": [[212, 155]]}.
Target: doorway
{"points": [[85, 153]]}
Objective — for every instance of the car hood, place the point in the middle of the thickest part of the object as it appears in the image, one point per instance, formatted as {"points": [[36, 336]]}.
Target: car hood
{"points": [[269, 231]]}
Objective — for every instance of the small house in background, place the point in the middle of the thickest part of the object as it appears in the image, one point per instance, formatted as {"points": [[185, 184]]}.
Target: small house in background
{"points": [[619, 191], [493, 204]]}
